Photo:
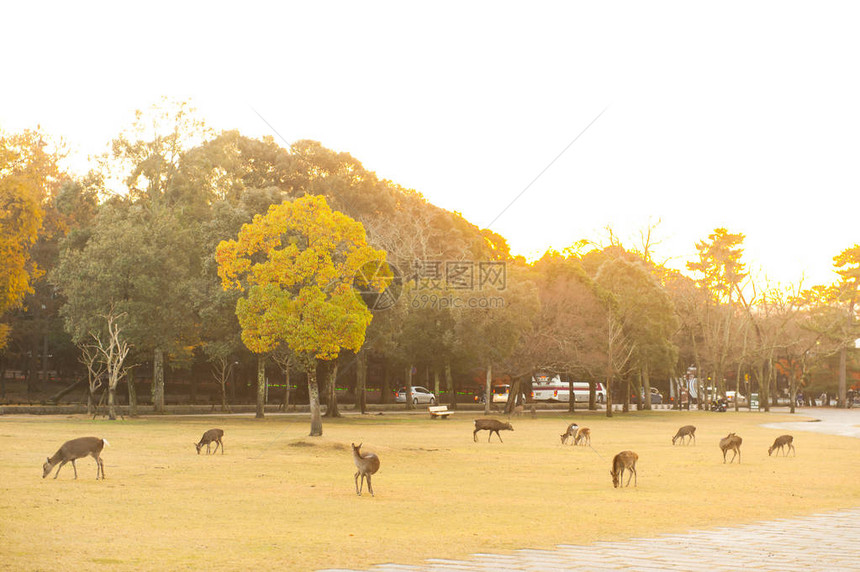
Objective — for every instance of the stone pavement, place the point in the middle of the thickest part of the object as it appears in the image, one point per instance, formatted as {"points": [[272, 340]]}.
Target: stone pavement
{"points": [[825, 542]]}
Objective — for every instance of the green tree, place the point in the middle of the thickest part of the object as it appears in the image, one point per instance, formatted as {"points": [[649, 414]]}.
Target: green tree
{"points": [[296, 266], [646, 314]]}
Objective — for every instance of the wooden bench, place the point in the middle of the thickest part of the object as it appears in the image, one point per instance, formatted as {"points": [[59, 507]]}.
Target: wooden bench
{"points": [[439, 411]]}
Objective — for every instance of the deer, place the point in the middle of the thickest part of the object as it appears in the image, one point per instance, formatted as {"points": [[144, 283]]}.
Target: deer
{"points": [[685, 431], [582, 437], [75, 449], [367, 465], [570, 432], [781, 442], [624, 460], [211, 436], [491, 425], [731, 442]]}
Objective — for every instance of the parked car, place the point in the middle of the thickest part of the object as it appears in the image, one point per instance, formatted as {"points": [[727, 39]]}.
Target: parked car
{"points": [[730, 397], [656, 396], [419, 395]]}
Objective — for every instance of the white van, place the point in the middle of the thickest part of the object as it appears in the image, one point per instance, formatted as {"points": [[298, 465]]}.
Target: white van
{"points": [[545, 388]]}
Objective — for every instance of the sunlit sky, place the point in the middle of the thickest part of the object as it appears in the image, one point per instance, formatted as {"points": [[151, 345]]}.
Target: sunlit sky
{"points": [[733, 114]]}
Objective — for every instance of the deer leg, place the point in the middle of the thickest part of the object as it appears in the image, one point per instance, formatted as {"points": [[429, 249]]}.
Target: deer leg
{"points": [[222, 446], [475, 435], [75, 468], [101, 465], [635, 478], [358, 490], [370, 488], [57, 474]]}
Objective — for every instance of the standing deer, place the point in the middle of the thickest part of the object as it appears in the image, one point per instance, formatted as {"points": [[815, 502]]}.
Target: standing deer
{"points": [[685, 431], [731, 442], [75, 449], [490, 425], [583, 436], [367, 465], [624, 460], [211, 436], [781, 442], [570, 432]]}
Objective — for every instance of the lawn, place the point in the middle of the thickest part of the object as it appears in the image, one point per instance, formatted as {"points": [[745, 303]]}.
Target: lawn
{"points": [[278, 499]]}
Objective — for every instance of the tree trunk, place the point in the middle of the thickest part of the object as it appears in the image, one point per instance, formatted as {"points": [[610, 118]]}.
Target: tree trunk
{"points": [[449, 383], [738, 387], [592, 396], [287, 390], [314, 398], [436, 381], [409, 404], [609, 396], [331, 388], [361, 381], [488, 389], [625, 408], [112, 402], [132, 394], [646, 389], [158, 381], [571, 396], [792, 388], [842, 400], [261, 386]]}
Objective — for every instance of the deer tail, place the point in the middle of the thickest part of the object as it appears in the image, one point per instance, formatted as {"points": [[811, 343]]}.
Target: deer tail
{"points": [[105, 441]]}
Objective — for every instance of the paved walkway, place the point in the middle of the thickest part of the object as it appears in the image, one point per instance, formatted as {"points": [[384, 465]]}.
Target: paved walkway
{"points": [[822, 542]]}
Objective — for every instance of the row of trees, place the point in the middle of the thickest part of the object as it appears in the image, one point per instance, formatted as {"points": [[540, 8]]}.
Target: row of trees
{"points": [[225, 250]]}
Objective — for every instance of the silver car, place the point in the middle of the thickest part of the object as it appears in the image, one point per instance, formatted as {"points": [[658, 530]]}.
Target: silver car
{"points": [[419, 395]]}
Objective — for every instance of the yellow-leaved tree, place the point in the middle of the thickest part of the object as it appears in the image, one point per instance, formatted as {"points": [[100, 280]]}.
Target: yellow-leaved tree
{"points": [[297, 264], [26, 172]]}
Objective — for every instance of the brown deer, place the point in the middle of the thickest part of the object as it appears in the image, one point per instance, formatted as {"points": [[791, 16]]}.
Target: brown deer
{"points": [[685, 431], [75, 449], [582, 437], [211, 436], [491, 425], [367, 465], [569, 433], [731, 442], [624, 460], [781, 442]]}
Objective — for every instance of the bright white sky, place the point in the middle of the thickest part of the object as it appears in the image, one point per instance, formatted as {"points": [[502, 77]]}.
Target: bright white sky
{"points": [[737, 114]]}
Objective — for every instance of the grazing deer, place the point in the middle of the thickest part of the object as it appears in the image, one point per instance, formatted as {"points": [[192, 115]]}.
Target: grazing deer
{"points": [[367, 465], [731, 442], [685, 431], [490, 425], [211, 436], [570, 432], [781, 442], [75, 449], [624, 460], [582, 437]]}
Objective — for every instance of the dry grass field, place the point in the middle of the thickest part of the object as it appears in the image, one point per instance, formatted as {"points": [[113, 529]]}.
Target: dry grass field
{"points": [[278, 499]]}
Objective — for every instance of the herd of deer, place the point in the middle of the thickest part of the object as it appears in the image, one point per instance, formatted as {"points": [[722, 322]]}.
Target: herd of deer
{"points": [[368, 463]]}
